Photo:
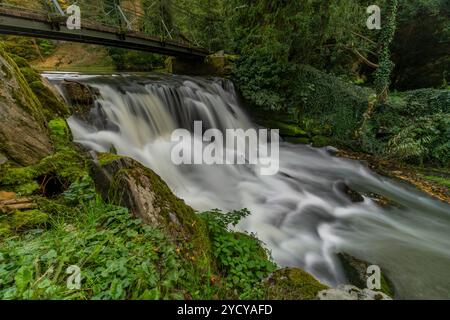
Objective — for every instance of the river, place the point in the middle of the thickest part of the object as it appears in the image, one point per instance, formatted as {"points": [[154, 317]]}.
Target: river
{"points": [[302, 214]]}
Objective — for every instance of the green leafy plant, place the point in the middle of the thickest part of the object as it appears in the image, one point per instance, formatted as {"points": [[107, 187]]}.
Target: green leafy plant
{"points": [[119, 257], [241, 257], [424, 140], [82, 190]]}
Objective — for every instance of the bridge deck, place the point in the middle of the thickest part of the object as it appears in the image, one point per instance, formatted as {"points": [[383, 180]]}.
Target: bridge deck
{"points": [[35, 24]]}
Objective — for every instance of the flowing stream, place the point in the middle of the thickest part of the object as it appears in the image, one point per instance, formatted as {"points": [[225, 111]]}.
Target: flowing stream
{"points": [[302, 214]]}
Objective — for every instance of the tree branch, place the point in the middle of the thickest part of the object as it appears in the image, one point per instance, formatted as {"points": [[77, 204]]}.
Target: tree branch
{"points": [[363, 58]]}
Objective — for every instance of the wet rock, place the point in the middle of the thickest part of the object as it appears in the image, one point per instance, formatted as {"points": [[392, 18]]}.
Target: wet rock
{"points": [[23, 134], [349, 292], [292, 284], [356, 272], [354, 196], [81, 98], [78, 93]]}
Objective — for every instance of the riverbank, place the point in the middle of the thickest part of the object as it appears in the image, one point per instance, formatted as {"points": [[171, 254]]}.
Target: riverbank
{"points": [[433, 181]]}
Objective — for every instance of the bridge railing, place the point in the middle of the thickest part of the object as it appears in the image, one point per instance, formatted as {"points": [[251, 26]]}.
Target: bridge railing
{"points": [[101, 14]]}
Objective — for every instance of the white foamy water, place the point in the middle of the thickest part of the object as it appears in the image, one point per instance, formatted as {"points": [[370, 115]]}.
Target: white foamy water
{"points": [[302, 214]]}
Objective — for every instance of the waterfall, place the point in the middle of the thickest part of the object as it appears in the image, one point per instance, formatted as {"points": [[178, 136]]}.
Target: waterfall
{"points": [[302, 214]]}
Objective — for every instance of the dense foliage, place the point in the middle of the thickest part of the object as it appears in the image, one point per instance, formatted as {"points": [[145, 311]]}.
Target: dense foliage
{"points": [[241, 257], [414, 127]]}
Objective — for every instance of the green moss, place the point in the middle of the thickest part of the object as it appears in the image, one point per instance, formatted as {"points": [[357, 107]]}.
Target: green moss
{"points": [[105, 158], [387, 286], [19, 61], [30, 75], [17, 176], [24, 97], [52, 106], [27, 189], [286, 129], [67, 164], [60, 133], [293, 284], [320, 141], [28, 219], [316, 128], [5, 229], [301, 140], [21, 220], [34, 96]]}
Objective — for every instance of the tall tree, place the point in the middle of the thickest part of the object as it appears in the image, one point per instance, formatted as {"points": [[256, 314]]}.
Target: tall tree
{"points": [[383, 73]]}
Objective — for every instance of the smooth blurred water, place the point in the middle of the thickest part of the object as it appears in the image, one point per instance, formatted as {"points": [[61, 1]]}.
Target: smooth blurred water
{"points": [[302, 214]]}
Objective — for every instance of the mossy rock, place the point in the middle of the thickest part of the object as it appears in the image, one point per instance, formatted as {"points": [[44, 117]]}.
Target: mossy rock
{"points": [[286, 129], [53, 107], [28, 219], [15, 176], [27, 189], [293, 284], [19, 61], [60, 133], [356, 272], [23, 131], [21, 221], [30, 75], [301, 140], [66, 164], [125, 182], [105, 158]]}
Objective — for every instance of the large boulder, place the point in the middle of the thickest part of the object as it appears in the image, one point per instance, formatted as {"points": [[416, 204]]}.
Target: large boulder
{"points": [[23, 133], [125, 182]]}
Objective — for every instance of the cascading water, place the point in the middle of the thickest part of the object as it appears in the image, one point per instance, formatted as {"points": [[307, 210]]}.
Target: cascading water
{"points": [[302, 213]]}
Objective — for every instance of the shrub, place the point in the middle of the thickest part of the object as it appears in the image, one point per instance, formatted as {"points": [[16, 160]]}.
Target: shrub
{"points": [[240, 257]]}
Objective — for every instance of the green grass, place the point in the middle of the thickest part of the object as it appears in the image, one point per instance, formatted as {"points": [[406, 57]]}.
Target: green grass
{"points": [[440, 180], [119, 258]]}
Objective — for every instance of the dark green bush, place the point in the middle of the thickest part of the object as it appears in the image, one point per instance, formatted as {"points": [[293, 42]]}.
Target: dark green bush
{"points": [[412, 126]]}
